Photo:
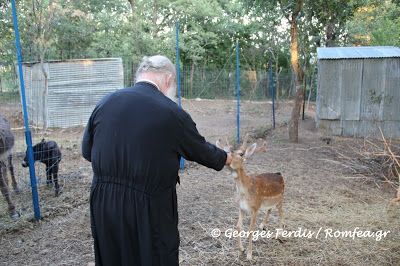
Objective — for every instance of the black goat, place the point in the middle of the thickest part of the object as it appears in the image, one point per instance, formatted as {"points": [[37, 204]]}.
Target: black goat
{"points": [[48, 153]]}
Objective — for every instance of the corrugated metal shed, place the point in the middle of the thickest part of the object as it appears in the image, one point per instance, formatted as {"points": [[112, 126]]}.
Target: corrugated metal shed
{"points": [[74, 87], [358, 52], [358, 91]]}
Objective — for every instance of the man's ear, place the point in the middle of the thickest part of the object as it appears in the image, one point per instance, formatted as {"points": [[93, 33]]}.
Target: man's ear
{"points": [[165, 83], [168, 80]]}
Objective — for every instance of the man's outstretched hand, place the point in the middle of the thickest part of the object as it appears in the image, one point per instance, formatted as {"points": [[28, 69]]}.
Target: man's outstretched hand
{"points": [[228, 159]]}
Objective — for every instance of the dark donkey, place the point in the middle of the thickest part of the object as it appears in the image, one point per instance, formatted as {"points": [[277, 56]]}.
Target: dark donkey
{"points": [[6, 144], [48, 153]]}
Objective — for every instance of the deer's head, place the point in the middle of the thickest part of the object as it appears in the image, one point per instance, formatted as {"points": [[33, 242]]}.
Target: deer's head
{"points": [[240, 155]]}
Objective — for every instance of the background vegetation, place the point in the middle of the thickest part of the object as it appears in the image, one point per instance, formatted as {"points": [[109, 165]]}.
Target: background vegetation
{"points": [[208, 28]]}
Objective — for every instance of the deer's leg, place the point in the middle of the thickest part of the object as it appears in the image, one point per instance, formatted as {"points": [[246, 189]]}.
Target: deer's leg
{"points": [[265, 220], [5, 192], [11, 169], [253, 222], [280, 208], [3, 173], [239, 228]]}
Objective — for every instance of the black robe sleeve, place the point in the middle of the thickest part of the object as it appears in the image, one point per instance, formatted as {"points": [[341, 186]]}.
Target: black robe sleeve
{"points": [[194, 147], [87, 141]]}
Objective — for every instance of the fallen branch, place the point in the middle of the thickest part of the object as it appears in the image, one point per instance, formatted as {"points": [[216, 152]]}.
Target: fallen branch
{"points": [[376, 158], [396, 200]]}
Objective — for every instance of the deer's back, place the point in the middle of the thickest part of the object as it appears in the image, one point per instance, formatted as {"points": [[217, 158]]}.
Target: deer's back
{"points": [[268, 189]]}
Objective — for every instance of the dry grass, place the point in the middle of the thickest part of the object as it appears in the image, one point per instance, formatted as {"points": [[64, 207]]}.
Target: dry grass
{"points": [[317, 196], [321, 193]]}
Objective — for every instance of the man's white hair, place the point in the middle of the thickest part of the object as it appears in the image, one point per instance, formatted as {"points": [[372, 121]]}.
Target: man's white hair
{"points": [[155, 64]]}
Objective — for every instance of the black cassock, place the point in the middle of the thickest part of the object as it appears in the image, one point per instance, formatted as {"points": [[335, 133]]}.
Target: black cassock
{"points": [[134, 140]]}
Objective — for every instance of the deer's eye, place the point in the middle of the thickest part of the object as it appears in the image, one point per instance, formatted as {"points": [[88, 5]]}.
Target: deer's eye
{"points": [[241, 154]]}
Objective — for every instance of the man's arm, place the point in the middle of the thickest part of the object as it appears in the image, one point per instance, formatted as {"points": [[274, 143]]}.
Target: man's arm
{"points": [[194, 147], [87, 142]]}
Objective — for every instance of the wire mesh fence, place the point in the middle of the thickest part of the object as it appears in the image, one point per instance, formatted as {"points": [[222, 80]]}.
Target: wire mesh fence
{"points": [[213, 83], [61, 93], [59, 102]]}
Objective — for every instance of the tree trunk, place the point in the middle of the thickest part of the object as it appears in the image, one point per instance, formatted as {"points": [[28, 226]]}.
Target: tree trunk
{"points": [[298, 83], [304, 96], [133, 7], [330, 34], [44, 111], [304, 79], [155, 16], [277, 72], [309, 95], [134, 27], [191, 79]]}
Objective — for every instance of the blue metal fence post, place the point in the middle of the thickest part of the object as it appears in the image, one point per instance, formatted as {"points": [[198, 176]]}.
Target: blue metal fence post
{"points": [[178, 80], [272, 93], [237, 92], [28, 136]]}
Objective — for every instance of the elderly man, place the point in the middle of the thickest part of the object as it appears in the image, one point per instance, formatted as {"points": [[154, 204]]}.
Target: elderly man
{"points": [[134, 139]]}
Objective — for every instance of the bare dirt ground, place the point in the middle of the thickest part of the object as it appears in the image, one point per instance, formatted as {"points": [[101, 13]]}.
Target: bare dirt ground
{"points": [[322, 196]]}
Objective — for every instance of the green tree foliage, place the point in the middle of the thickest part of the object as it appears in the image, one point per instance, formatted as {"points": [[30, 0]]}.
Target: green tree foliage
{"points": [[208, 29], [327, 19], [376, 23], [198, 22]]}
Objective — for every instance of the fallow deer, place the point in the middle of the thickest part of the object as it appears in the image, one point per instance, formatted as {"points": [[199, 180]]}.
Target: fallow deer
{"points": [[255, 191]]}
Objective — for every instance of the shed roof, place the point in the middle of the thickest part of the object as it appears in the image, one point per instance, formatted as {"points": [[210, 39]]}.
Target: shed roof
{"points": [[358, 52]]}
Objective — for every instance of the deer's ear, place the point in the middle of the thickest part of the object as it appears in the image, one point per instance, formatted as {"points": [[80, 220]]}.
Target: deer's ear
{"points": [[263, 148], [219, 144], [250, 150]]}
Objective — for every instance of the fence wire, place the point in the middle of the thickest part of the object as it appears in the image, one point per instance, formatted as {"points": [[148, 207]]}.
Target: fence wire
{"points": [[75, 84]]}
